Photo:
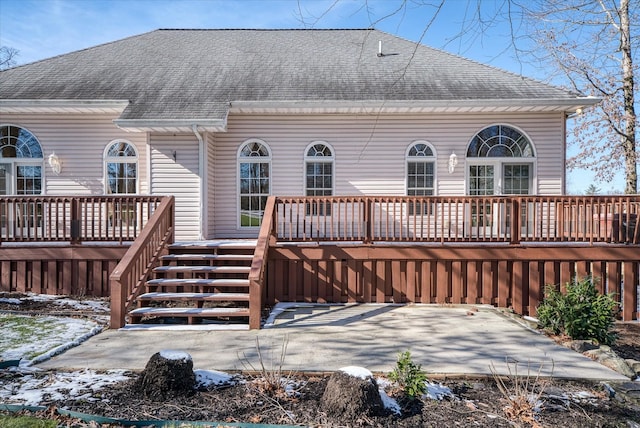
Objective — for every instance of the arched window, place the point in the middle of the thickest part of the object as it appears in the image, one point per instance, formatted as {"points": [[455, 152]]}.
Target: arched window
{"points": [[421, 169], [318, 167], [421, 173], [21, 162], [121, 167], [254, 181], [501, 161], [500, 141]]}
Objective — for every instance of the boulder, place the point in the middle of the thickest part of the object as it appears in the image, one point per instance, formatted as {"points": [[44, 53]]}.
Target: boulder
{"points": [[605, 356], [352, 396], [167, 374], [635, 366]]}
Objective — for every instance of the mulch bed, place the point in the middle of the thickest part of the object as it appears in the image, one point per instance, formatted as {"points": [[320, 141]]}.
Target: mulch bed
{"points": [[477, 402]]}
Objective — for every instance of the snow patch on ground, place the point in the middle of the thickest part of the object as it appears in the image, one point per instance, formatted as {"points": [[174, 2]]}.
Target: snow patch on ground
{"points": [[389, 403], [35, 390], [83, 305], [437, 391], [34, 339], [208, 378]]}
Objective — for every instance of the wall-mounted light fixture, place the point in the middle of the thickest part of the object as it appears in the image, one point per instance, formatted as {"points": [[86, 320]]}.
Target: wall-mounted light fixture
{"points": [[453, 161], [55, 163]]}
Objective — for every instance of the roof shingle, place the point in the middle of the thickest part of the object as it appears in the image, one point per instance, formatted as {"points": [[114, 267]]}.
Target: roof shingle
{"points": [[196, 74]]}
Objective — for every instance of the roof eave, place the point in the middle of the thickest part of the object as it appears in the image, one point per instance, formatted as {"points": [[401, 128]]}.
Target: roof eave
{"points": [[62, 106], [566, 105], [171, 125]]}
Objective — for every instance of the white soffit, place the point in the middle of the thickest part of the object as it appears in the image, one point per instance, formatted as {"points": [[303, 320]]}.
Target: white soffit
{"points": [[63, 106], [404, 107], [171, 125]]}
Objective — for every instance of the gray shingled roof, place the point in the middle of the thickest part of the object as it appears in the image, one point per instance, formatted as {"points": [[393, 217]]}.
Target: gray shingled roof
{"points": [[195, 74]]}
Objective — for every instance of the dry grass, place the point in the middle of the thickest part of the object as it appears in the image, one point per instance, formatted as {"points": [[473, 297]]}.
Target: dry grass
{"points": [[522, 392]]}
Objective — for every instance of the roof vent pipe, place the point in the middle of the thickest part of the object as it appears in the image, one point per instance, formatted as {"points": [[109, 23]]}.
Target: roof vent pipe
{"points": [[379, 48]]}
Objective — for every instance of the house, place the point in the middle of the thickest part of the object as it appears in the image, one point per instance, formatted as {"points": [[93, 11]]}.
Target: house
{"points": [[222, 119]]}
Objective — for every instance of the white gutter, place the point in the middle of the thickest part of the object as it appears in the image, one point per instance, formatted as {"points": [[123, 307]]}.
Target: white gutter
{"points": [[415, 106], [170, 125], [62, 106], [201, 166]]}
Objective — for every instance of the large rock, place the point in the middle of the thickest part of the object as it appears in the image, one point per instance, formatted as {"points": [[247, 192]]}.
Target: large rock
{"points": [[167, 374], [605, 356], [352, 394]]}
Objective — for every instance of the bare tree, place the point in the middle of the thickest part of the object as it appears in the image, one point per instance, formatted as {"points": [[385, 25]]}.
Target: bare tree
{"points": [[7, 57], [591, 43]]}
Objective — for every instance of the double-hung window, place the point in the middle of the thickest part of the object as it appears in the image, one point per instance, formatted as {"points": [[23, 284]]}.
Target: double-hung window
{"points": [[318, 166], [21, 161], [421, 173], [121, 168], [254, 181]]}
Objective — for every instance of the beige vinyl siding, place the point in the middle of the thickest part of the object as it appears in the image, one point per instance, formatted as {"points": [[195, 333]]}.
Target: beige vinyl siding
{"points": [[370, 153], [79, 140], [179, 178], [210, 193]]}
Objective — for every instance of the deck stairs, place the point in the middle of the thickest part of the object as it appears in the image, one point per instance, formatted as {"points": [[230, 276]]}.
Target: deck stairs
{"points": [[198, 283]]}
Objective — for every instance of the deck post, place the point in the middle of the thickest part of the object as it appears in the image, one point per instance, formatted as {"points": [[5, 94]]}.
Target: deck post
{"points": [[368, 220], [76, 215], [118, 306], [515, 221]]}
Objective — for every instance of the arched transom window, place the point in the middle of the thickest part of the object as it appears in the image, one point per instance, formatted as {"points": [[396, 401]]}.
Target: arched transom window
{"points": [[254, 181], [500, 161], [500, 141], [21, 161], [121, 167]]}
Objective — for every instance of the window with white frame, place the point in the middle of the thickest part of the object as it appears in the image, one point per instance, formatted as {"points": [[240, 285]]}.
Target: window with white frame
{"points": [[501, 161], [421, 173], [21, 161], [318, 166], [121, 168], [254, 181]]}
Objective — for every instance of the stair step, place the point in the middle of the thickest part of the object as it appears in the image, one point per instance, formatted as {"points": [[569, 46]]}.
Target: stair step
{"points": [[203, 269], [207, 257], [190, 312], [209, 297], [241, 244], [230, 282]]}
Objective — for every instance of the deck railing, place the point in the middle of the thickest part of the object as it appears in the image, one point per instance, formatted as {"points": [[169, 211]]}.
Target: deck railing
{"points": [[508, 219], [74, 219], [129, 276], [266, 238]]}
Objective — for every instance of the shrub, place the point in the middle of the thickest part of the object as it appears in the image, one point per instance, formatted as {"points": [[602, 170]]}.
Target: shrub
{"points": [[409, 376], [582, 313]]}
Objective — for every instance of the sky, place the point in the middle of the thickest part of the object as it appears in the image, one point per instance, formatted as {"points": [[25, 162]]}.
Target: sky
{"points": [[41, 29]]}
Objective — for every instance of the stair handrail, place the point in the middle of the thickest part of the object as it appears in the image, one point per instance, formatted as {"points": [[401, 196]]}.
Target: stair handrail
{"points": [[266, 238], [137, 264]]}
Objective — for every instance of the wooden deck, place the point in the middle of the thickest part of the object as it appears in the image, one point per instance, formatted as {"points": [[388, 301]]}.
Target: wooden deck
{"points": [[445, 250]]}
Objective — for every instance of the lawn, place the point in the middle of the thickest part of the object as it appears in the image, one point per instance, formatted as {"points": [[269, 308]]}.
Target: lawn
{"points": [[35, 338]]}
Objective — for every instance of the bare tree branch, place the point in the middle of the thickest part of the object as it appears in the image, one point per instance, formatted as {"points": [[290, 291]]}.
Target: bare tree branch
{"points": [[7, 57]]}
